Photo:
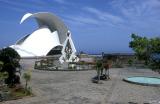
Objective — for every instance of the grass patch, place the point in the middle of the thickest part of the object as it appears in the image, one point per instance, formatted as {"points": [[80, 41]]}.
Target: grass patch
{"points": [[19, 93], [15, 93]]}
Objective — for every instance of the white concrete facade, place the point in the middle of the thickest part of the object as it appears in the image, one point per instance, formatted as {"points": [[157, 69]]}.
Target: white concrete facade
{"points": [[52, 32]]}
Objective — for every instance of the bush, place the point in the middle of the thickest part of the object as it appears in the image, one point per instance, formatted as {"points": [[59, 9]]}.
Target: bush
{"points": [[10, 59], [155, 62], [130, 62]]}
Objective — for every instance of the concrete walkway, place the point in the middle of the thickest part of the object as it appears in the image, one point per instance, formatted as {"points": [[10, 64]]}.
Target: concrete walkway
{"points": [[75, 87]]}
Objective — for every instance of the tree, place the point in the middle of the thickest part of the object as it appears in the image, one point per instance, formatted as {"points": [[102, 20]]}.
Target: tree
{"points": [[155, 54], [10, 59], [140, 47], [147, 50], [155, 45]]}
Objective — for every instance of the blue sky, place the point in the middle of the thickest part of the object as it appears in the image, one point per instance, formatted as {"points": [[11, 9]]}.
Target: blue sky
{"points": [[96, 25]]}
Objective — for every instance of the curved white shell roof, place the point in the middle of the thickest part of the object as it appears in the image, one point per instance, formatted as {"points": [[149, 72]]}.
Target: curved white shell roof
{"points": [[39, 43], [51, 21], [52, 32]]}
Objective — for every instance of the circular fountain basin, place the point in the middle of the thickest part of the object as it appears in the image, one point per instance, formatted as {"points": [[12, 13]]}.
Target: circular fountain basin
{"points": [[142, 80]]}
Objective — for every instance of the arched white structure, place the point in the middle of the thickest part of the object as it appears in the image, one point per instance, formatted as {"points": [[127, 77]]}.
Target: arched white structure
{"points": [[51, 33]]}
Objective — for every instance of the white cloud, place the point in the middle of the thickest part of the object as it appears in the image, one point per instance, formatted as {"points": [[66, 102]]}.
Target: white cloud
{"points": [[138, 14], [21, 5], [104, 16], [94, 17], [153, 3], [137, 9], [82, 20]]}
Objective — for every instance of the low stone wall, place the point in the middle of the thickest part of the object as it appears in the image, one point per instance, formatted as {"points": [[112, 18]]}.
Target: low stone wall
{"points": [[29, 62]]}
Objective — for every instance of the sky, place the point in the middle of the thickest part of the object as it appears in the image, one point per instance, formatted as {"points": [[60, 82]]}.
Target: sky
{"points": [[96, 25]]}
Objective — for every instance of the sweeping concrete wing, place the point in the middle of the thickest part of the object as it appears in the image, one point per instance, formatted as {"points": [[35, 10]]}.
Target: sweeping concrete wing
{"points": [[52, 32], [51, 21]]}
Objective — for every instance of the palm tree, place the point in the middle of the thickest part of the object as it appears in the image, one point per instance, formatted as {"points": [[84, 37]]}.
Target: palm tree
{"points": [[27, 77]]}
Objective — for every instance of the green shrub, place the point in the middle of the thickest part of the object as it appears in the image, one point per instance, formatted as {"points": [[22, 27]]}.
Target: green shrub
{"points": [[10, 59], [154, 62], [130, 62]]}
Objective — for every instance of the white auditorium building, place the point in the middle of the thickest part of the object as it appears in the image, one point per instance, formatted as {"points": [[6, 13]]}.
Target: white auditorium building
{"points": [[51, 37]]}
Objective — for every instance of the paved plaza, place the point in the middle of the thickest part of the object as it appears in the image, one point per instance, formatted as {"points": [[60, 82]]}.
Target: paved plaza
{"points": [[76, 87]]}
